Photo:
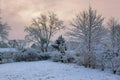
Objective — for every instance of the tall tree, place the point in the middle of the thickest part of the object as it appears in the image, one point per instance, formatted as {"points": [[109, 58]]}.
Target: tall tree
{"points": [[114, 35], [114, 55], [43, 28], [87, 28]]}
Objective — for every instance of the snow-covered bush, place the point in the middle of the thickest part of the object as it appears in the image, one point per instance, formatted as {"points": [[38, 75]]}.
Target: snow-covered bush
{"points": [[7, 55], [82, 58], [31, 55], [27, 55], [56, 57], [44, 56], [101, 61], [115, 64], [19, 57], [66, 58], [79, 59], [111, 61]]}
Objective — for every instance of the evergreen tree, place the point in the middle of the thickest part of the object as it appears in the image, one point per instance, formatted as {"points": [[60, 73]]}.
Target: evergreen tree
{"points": [[60, 45]]}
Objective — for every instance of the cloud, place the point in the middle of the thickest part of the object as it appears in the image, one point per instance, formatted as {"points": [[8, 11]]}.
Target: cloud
{"points": [[18, 13]]}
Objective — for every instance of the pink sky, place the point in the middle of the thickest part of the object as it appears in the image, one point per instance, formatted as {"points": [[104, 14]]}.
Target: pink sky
{"points": [[18, 13]]}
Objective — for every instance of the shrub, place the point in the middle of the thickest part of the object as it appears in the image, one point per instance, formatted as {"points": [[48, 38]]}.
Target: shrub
{"points": [[31, 55], [58, 57], [18, 57], [26, 55], [68, 58], [79, 59], [44, 56]]}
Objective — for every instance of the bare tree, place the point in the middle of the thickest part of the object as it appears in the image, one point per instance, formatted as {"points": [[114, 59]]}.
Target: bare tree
{"points": [[118, 39], [114, 35], [18, 44], [114, 44], [43, 28], [87, 28], [4, 30]]}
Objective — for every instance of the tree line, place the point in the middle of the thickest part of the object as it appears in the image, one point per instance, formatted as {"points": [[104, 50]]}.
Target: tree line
{"points": [[87, 28]]}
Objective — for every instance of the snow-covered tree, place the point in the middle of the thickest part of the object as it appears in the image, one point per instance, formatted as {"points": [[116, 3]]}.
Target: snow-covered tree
{"points": [[114, 44], [112, 61], [43, 28], [114, 35], [87, 27], [60, 45]]}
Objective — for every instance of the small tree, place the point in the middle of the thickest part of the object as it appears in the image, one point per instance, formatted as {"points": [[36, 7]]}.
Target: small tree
{"points": [[18, 44], [4, 30], [43, 28], [60, 45]]}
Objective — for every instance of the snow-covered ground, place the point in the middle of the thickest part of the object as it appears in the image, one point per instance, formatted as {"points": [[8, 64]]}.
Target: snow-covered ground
{"points": [[48, 70]]}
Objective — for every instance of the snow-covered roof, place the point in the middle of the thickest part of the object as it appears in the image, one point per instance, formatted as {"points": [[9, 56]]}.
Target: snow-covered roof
{"points": [[8, 50]]}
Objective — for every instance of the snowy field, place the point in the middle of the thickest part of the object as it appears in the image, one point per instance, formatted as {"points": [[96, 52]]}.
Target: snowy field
{"points": [[48, 70]]}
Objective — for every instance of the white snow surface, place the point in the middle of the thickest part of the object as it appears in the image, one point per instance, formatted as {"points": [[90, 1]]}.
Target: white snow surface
{"points": [[48, 70], [8, 50]]}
